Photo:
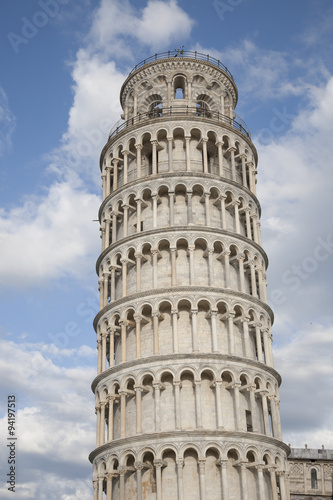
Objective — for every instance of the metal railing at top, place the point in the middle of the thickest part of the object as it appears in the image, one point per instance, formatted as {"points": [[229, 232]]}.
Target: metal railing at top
{"points": [[157, 113], [190, 54]]}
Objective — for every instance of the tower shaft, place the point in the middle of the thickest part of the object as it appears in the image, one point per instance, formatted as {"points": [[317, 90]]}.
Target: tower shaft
{"points": [[186, 393]]}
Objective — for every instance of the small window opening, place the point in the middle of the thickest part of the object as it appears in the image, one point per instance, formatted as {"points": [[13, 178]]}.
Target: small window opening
{"points": [[155, 109], [249, 425], [179, 87], [202, 109], [314, 481]]}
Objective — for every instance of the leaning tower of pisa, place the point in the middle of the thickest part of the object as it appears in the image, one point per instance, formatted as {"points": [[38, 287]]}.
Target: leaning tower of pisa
{"points": [[187, 399]]}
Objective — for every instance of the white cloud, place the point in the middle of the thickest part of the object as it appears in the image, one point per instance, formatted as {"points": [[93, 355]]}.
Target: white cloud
{"points": [[307, 369], [295, 189], [162, 23], [55, 422], [156, 26], [49, 236]]}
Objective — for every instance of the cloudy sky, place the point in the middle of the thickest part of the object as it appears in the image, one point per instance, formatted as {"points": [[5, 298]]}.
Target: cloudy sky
{"points": [[63, 62]]}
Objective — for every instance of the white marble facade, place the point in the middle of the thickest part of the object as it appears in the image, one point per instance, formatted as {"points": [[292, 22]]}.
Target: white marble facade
{"points": [[187, 397]]}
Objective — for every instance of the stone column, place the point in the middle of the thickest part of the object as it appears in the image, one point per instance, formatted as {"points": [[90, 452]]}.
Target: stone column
{"points": [[261, 482], [95, 486], [125, 220], [158, 471], [173, 251], [243, 158], [248, 223], [244, 481], [255, 228], [245, 324], [125, 153], [115, 174], [223, 212], [172, 208], [265, 333], [107, 233], [233, 166], [225, 489], [189, 208], [213, 316], [218, 385], [180, 465], [283, 492], [251, 176], [157, 393], [102, 424], [138, 390], [278, 417], [138, 160], [263, 395], [110, 418], [236, 388], [124, 263], [253, 406], [103, 176], [197, 385], [241, 258], [122, 395], [170, 153], [101, 293], [205, 155], [176, 384], [137, 318], [100, 488], [202, 479], [123, 325], [220, 156], [114, 226], [105, 288], [188, 154], [226, 268], [237, 221], [113, 283], [195, 346], [138, 214], [154, 157], [99, 353], [103, 335], [98, 424], [122, 472], [138, 258], [154, 197], [258, 341], [275, 432], [253, 279], [191, 254], [273, 483], [230, 317], [175, 330], [210, 266], [155, 316], [139, 467], [207, 208]]}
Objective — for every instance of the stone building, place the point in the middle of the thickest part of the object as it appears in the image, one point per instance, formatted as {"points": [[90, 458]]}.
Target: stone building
{"points": [[187, 397], [311, 474]]}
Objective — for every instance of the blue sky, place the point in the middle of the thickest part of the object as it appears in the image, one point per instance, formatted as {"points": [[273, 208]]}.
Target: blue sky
{"points": [[63, 62]]}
